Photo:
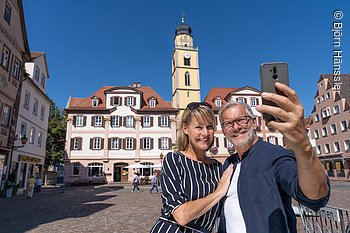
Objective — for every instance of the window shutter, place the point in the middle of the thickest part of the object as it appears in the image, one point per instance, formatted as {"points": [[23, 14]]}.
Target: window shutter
{"points": [[102, 143], [152, 143], [134, 143], [120, 144], [216, 120], [124, 121], [134, 101], [151, 120], [170, 143], [217, 141], [91, 142], [80, 143], [169, 125], [93, 121], [71, 143], [125, 101], [276, 141], [159, 120], [74, 120], [141, 143], [120, 100], [159, 143], [124, 143], [133, 122], [257, 101], [111, 101], [142, 121], [109, 143], [84, 120], [225, 143], [103, 122]]}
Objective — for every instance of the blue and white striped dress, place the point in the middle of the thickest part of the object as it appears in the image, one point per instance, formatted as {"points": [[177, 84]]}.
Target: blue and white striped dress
{"points": [[185, 180]]}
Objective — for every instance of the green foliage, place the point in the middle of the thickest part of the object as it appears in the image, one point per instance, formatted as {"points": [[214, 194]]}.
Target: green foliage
{"points": [[56, 136]]}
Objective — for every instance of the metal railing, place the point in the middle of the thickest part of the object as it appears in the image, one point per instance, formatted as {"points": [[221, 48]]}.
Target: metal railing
{"points": [[327, 220]]}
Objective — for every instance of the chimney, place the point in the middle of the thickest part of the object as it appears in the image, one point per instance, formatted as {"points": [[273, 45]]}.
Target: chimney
{"points": [[138, 84], [134, 84]]}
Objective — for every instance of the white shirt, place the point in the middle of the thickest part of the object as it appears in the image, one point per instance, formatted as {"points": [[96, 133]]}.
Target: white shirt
{"points": [[233, 213]]}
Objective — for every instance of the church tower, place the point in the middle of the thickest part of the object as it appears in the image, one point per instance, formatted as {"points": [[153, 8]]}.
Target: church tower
{"points": [[185, 69]]}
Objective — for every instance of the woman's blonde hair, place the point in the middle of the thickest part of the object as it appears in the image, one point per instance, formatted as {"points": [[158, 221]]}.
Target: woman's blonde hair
{"points": [[202, 114]]}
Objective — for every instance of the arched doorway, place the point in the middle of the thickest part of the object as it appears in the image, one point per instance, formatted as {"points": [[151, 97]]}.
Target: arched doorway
{"points": [[120, 174]]}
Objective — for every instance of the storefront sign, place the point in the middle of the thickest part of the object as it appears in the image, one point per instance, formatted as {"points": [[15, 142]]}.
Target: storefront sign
{"points": [[27, 158]]}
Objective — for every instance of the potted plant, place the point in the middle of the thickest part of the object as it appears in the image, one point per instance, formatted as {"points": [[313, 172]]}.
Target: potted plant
{"points": [[10, 185]]}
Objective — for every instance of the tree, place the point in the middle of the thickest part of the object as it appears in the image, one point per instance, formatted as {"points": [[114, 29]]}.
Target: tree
{"points": [[56, 136]]}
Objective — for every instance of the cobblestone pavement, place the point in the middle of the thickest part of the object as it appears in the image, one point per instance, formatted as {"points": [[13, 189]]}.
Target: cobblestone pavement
{"points": [[107, 208]]}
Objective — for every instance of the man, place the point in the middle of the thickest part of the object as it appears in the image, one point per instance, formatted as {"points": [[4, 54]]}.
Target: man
{"points": [[154, 183], [266, 176]]}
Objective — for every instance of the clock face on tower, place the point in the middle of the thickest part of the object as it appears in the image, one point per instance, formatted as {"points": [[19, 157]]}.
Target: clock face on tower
{"points": [[187, 55]]}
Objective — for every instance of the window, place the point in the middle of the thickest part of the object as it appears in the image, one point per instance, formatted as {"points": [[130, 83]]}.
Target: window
{"points": [[95, 170], [114, 143], [318, 100], [218, 103], [152, 103], [129, 143], [322, 98], [164, 121], [326, 113], [7, 13], [316, 134], [333, 129], [253, 102], [146, 143], [347, 144], [26, 100], [318, 149], [94, 102], [129, 121], [75, 145], [23, 130], [187, 79], [32, 135], [16, 69], [241, 99], [327, 149], [187, 61], [317, 118], [40, 138], [43, 81], [164, 143], [115, 121], [146, 121], [6, 113], [76, 168], [98, 121], [328, 96], [336, 109], [5, 57], [97, 143], [36, 73], [79, 121], [35, 107], [130, 101], [324, 132], [343, 126], [42, 112], [272, 140], [336, 147], [116, 101]]}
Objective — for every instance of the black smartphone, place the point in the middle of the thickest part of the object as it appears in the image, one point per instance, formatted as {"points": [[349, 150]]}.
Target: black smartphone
{"points": [[270, 73]]}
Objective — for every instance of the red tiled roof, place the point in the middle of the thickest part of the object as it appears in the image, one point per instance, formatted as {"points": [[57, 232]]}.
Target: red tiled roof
{"points": [[220, 92], [36, 54]]}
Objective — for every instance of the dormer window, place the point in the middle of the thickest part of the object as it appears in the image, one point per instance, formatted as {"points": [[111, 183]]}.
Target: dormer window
{"points": [[152, 103], [94, 102], [218, 102], [130, 101]]}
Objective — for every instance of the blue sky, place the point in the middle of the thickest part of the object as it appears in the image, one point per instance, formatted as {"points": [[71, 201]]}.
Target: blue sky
{"points": [[90, 43]]}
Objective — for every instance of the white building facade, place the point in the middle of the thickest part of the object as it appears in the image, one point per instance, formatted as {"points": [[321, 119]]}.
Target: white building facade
{"points": [[32, 122], [114, 128]]}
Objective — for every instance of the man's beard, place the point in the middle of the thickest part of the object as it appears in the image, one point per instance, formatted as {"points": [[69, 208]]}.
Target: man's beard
{"points": [[249, 141]]}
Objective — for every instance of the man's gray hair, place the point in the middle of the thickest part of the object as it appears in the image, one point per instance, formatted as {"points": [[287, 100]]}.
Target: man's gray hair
{"points": [[233, 104]]}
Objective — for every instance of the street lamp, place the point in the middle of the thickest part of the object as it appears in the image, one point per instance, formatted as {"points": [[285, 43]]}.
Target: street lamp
{"points": [[161, 156], [24, 140]]}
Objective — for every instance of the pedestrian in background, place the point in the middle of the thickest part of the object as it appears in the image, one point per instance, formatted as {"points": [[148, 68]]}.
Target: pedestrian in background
{"points": [[154, 183], [38, 183], [135, 182], [30, 186]]}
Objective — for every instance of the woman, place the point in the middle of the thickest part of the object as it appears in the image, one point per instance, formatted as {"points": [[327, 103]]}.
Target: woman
{"points": [[190, 179]]}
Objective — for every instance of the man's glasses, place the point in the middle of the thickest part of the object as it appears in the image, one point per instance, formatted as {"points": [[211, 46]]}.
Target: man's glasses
{"points": [[194, 105], [242, 121]]}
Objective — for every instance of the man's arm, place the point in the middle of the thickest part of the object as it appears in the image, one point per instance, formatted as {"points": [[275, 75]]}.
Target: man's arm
{"points": [[311, 174]]}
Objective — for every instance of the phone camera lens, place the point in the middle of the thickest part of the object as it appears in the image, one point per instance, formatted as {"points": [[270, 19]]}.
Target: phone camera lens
{"points": [[274, 71]]}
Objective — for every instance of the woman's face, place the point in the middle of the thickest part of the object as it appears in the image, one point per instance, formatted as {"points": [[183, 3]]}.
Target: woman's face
{"points": [[200, 134]]}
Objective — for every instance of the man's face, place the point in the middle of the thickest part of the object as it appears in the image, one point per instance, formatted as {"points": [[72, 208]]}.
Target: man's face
{"points": [[238, 127]]}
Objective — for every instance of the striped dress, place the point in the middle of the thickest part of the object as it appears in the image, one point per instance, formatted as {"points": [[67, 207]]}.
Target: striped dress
{"points": [[185, 180]]}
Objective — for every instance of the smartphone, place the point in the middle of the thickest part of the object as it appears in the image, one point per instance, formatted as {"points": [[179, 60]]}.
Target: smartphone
{"points": [[270, 73]]}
